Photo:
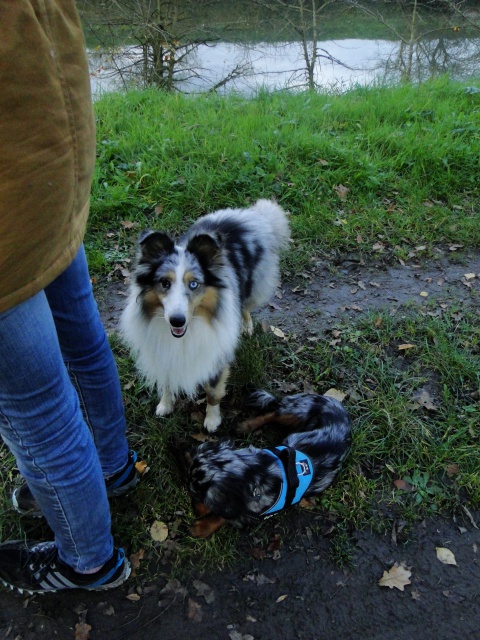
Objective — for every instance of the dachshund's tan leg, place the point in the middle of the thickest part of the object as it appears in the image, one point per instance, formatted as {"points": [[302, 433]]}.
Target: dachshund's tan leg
{"points": [[200, 509], [204, 527], [253, 424]]}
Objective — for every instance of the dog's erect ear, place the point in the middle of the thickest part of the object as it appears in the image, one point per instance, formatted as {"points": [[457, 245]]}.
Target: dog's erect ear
{"points": [[205, 247], [153, 244]]}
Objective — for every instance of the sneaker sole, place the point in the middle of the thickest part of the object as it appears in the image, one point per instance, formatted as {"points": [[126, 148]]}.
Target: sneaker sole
{"points": [[127, 569]]}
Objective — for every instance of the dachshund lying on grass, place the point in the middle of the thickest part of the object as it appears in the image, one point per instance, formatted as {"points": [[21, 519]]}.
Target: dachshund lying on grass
{"points": [[243, 486]]}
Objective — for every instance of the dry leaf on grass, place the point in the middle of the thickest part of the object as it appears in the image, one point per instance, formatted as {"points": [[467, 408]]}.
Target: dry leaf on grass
{"points": [[281, 598], [236, 635], [82, 631], [342, 191], [128, 224], [424, 400], [204, 590], [133, 597], [277, 332], [403, 485], [404, 347], [142, 467], [135, 561], [194, 611], [307, 503], [202, 437], [445, 555], [335, 393], [397, 577], [259, 579], [452, 470], [159, 531]]}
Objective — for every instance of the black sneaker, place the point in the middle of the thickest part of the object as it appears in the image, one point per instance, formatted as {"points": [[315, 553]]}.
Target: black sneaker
{"points": [[117, 485], [36, 568]]}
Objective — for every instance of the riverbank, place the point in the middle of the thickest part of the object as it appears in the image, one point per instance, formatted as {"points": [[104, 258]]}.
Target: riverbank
{"points": [[380, 181]]}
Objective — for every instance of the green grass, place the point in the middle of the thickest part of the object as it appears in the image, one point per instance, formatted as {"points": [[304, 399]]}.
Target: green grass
{"points": [[410, 159]]}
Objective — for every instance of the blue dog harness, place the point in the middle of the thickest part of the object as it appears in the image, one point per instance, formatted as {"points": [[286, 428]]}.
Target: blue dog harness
{"points": [[297, 475]]}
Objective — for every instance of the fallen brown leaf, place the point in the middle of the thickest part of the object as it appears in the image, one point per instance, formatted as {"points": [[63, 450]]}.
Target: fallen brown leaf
{"points": [[397, 577], [424, 400], [135, 560], [275, 543], [342, 191], [445, 555], [194, 611], [133, 597], [159, 531], [452, 470], [203, 590], [202, 437], [277, 332], [403, 485], [335, 393], [141, 466], [82, 631], [259, 579]]}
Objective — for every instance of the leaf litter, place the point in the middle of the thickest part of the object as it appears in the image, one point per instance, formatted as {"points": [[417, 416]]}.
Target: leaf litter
{"points": [[398, 577]]}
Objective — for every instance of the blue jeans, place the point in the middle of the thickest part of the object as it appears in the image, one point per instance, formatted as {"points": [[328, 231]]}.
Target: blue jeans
{"points": [[61, 411]]}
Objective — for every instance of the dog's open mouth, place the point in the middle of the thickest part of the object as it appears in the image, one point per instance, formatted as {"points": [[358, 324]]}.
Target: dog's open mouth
{"points": [[178, 332]]}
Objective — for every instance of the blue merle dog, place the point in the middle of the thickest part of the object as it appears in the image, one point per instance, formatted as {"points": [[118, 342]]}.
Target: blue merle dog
{"points": [[243, 486]]}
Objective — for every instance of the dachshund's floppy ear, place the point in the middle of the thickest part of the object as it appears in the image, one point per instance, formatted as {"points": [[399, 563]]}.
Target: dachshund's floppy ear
{"points": [[154, 244], [206, 247]]}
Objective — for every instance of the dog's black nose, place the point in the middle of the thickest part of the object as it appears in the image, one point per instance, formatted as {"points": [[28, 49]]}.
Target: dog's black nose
{"points": [[177, 321]]}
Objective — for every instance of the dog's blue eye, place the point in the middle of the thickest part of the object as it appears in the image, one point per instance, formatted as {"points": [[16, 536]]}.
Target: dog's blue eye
{"points": [[193, 285]]}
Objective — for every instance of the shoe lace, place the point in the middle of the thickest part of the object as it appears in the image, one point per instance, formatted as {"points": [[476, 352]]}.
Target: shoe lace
{"points": [[40, 559]]}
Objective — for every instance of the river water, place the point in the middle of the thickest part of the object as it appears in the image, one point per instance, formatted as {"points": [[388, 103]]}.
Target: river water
{"points": [[350, 62]]}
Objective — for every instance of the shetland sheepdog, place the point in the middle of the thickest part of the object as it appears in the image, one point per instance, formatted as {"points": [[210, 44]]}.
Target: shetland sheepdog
{"points": [[191, 297], [244, 486]]}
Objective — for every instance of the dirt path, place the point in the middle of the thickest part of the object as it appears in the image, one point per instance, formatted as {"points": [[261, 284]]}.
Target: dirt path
{"points": [[299, 595], [297, 592]]}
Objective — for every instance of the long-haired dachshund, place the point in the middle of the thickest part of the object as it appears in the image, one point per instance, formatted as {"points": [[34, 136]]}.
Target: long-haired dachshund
{"points": [[243, 486]]}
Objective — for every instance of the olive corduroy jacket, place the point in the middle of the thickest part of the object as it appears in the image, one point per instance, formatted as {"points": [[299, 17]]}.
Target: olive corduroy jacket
{"points": [[47, 144]]}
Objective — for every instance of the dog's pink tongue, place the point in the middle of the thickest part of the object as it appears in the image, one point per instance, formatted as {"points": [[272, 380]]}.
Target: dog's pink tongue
{"points": [[178, 331]]}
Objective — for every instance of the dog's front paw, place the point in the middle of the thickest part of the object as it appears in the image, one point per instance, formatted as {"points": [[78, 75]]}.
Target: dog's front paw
{"points": [[164, 407], [213, 418]]}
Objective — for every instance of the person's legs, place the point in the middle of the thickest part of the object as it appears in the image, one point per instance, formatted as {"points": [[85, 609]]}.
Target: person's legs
{"points": [[90, 362], [42, 423]]}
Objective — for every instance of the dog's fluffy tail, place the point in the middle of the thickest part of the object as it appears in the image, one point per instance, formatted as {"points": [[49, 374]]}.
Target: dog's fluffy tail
{"points": [[260, 399], [277, 219]]}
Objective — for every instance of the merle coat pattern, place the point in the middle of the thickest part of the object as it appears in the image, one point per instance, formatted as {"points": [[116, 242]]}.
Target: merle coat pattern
{"points": [[190, 299], [238, 485]]}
